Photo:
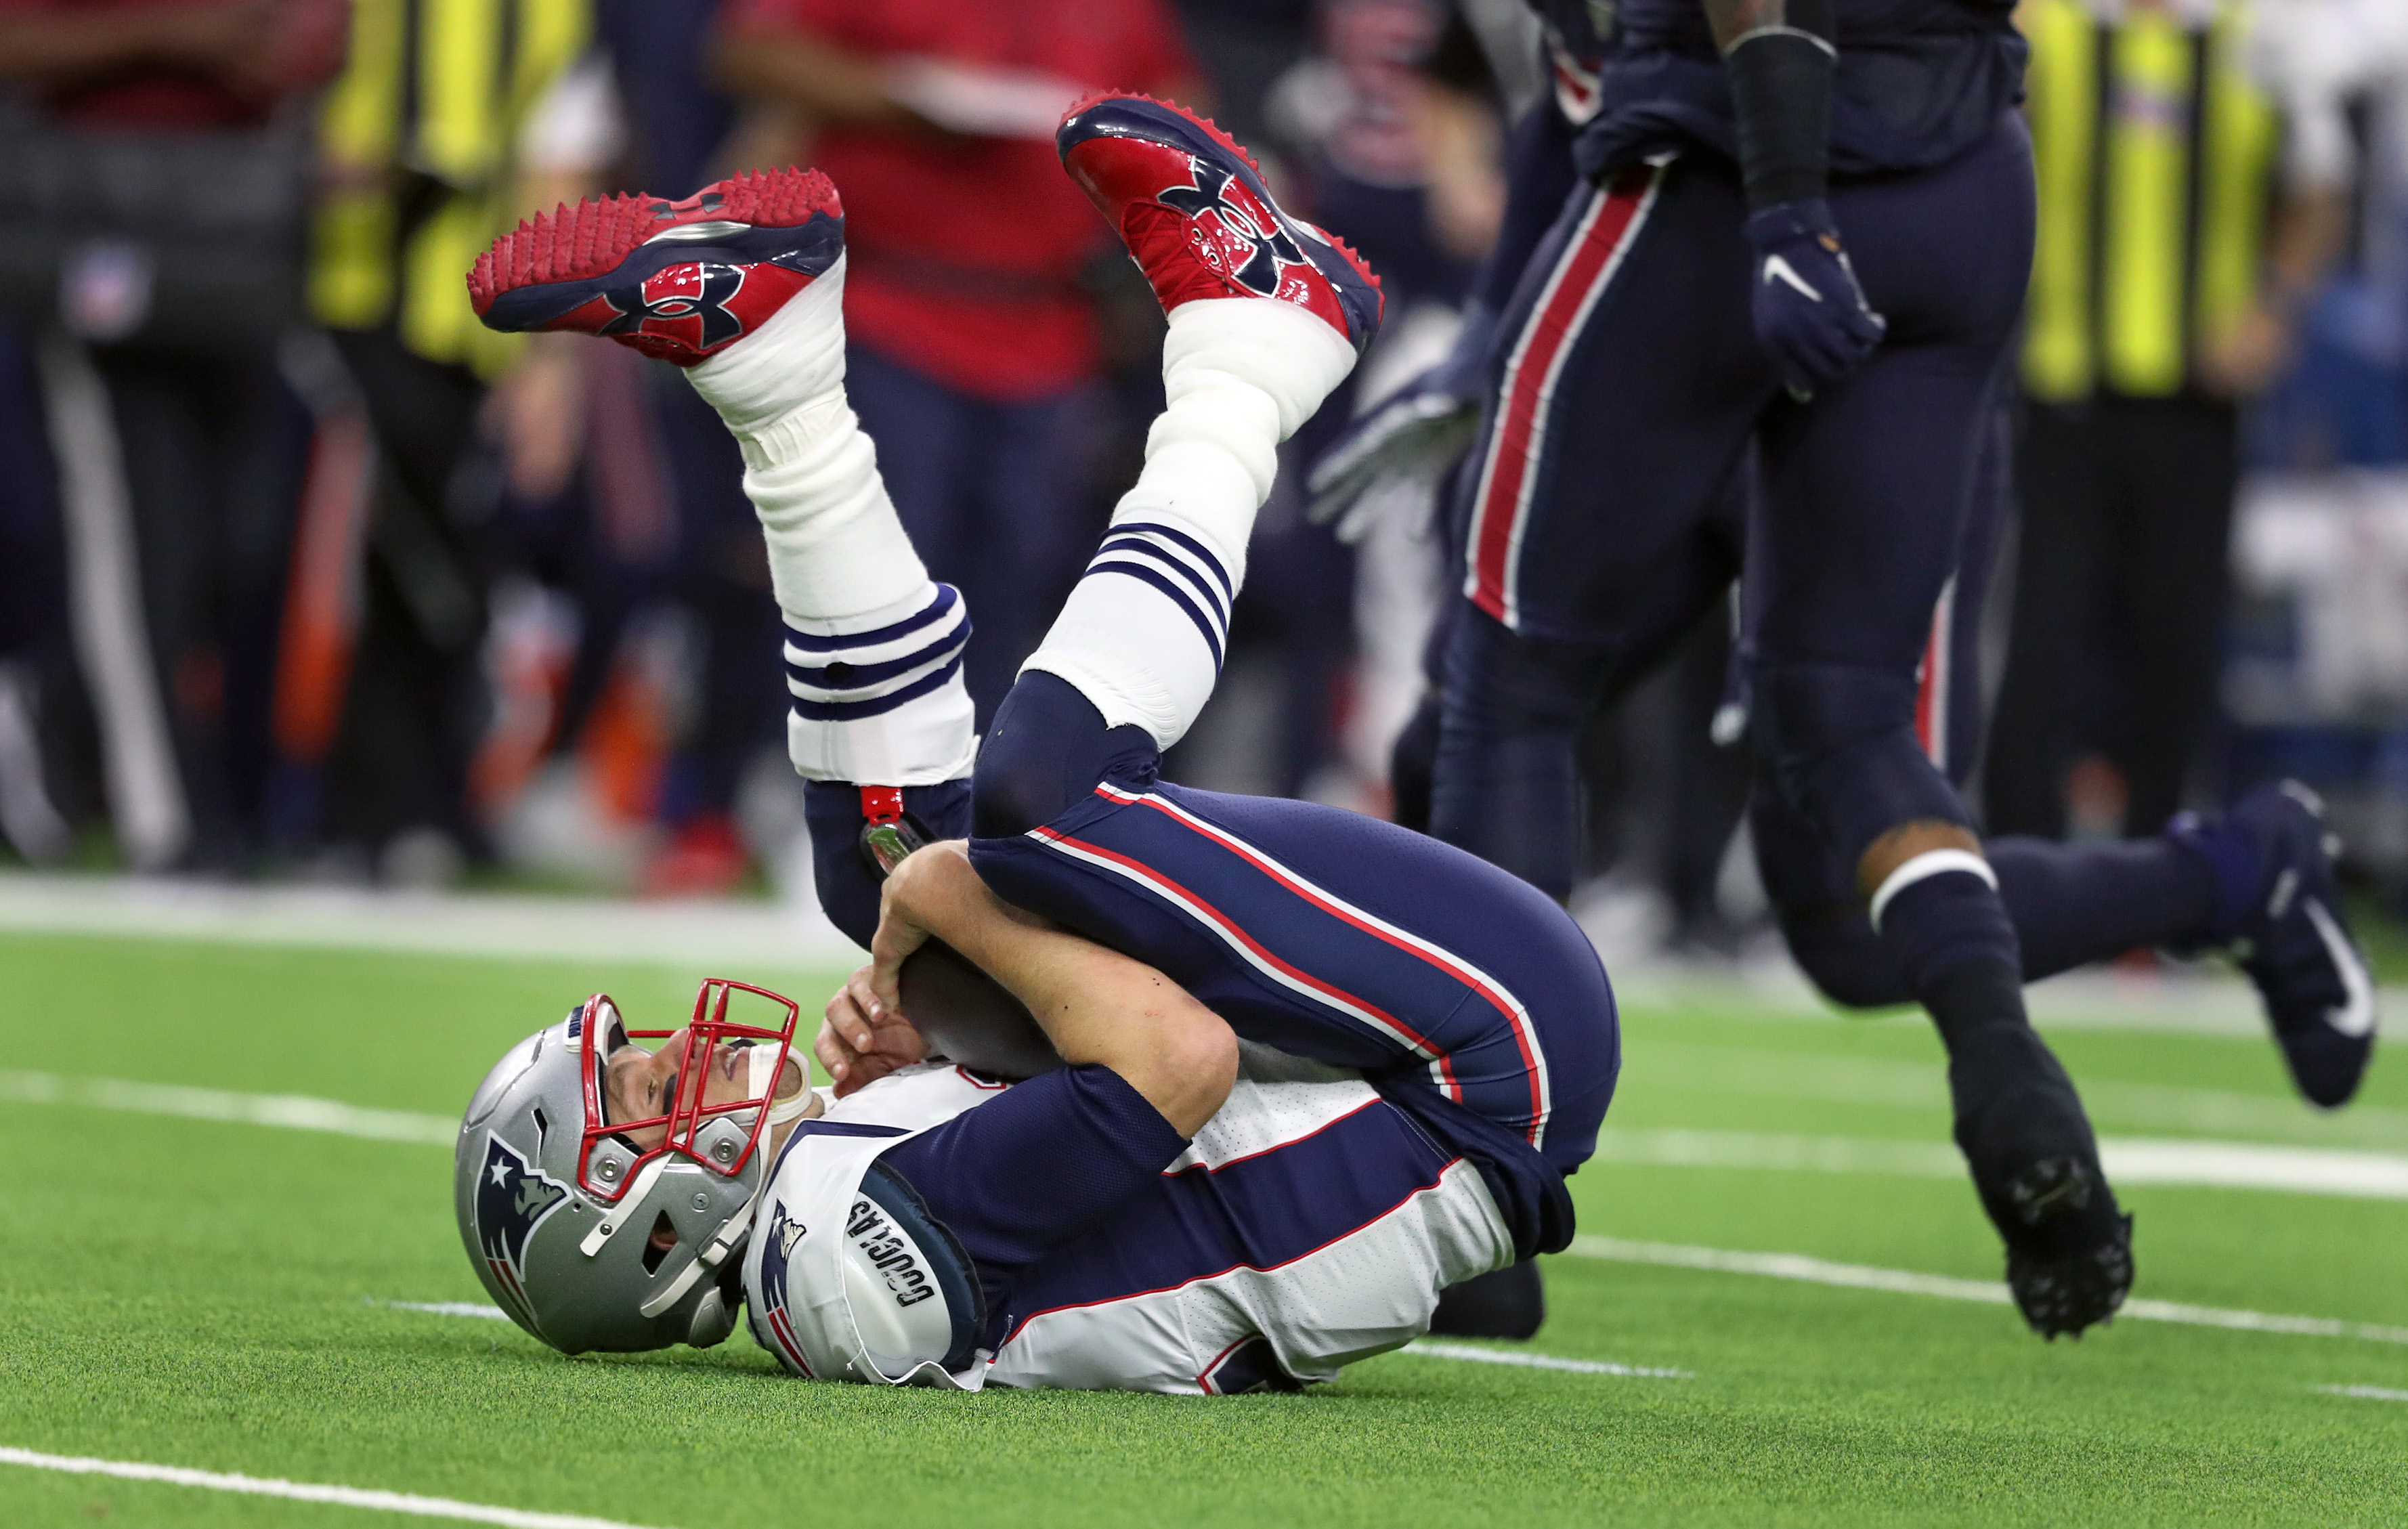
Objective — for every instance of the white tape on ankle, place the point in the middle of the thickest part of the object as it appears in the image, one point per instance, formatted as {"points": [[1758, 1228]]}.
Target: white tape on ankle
{"points": [[1929, 863]]}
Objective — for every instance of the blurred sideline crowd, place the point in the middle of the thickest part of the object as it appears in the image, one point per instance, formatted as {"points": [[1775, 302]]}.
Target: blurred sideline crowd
{"points": [[304, 573]]}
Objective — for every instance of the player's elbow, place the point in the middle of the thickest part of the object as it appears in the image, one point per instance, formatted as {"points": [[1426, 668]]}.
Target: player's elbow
{"points": [[1192, 1069]]}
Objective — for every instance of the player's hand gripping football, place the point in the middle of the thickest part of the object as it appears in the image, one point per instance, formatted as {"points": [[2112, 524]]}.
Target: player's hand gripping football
{"points": [[1810, 315], [863, 1037], [864, 1034]]}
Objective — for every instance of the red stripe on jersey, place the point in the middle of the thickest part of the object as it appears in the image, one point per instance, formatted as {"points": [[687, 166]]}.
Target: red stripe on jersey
{"points": [[1021, 1326]]}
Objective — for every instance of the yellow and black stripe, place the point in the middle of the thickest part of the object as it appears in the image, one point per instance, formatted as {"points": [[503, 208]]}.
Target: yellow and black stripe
{"points": [[419, 137], [2155, 151]]}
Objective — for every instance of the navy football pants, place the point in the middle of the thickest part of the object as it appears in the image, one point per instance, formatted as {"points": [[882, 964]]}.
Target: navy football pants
{"points": [[1320, 932], [1630, 384]]}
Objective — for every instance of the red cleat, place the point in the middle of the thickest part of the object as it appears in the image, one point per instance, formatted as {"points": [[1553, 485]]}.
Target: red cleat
{"points": [[678, 280], [1192, 209]]}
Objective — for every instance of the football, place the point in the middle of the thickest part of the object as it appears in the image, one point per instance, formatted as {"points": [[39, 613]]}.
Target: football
{"points": [[966, 1016]]}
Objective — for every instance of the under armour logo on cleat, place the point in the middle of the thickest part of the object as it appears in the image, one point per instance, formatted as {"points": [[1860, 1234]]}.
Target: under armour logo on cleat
{"points": [[1265, 245], [641, 314], [1777, 268]]}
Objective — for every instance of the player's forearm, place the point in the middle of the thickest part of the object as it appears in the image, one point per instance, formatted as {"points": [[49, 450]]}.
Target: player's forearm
{"points": [[1781, 62], [1095, 1005]]}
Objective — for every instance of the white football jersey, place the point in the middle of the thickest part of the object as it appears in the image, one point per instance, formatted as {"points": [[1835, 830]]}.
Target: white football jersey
{"points": [[1343, 1223]]}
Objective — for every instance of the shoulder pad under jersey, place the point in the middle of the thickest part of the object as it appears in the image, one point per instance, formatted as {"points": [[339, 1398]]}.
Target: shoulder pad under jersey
{"points": [[916, 1098], [847, 1276]]}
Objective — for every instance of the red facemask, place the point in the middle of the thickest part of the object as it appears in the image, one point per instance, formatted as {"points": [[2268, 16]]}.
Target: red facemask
{"points": [[714, 1046]]}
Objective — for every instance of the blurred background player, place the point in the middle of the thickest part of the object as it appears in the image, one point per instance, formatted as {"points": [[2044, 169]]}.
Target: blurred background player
{"points": [[1724, 162], [2178, 254], [975, 362], [177, 466], [2200, 887], [424, 145]]}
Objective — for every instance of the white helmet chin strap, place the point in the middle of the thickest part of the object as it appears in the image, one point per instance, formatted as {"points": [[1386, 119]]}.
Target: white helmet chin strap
{"points": [[713, 1253], [766, 1064]]}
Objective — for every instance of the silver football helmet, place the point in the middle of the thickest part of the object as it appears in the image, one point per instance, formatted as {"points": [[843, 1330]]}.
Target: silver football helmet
{"points": [[559, 1205]]}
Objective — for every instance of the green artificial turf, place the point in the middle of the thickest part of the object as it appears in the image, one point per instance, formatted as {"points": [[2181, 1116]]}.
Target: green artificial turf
{"points": [[199, 1294]]}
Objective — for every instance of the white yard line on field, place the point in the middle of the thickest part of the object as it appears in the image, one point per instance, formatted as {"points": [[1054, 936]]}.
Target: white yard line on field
{"points": [[2207, 999], [686, 934], [446, 1309], [291, 1111], [1906, 1282], [691, 935], [2366, 1393], [1662, 1065], [2220, 1164], [2129, 1160], [307, 1492], [1425, 1348]]}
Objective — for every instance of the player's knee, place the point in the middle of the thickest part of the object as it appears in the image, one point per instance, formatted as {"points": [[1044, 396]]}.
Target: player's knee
{"points": [[1007, 795], [1847, 961], [1188, 1070], [1048, 748], [1495, 673], [1841, 744]]}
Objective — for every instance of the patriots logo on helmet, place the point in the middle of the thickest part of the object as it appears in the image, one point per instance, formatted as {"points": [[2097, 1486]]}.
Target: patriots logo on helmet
{"points": [[512, 1200], [697, 294], [784, 1233], [1240, 238]]}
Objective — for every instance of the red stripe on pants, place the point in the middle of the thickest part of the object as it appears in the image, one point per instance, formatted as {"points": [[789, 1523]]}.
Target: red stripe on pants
{"points": [[1502, 500]]}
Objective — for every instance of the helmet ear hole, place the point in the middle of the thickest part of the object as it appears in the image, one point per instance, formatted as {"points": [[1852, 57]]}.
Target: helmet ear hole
{"points": [[657, 1245]]}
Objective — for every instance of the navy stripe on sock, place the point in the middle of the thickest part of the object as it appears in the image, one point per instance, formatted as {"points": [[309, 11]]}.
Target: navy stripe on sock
{"points": [[947, 597], [848, 712], [1145, 573], [1228, 590], [1186, 572], [841, 675]]}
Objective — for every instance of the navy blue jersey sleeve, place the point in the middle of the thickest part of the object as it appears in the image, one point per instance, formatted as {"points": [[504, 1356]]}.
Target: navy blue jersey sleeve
{"points": [[1020, 1175]]}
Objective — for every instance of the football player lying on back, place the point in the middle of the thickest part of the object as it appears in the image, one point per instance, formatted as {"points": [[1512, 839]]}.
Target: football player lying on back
{"points": [[1317, 1068]]}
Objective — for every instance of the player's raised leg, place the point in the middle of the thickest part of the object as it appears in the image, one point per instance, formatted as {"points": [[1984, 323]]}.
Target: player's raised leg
{"points": [[1267, 315], [2256, 880], [1321, 932], [743, 284]]}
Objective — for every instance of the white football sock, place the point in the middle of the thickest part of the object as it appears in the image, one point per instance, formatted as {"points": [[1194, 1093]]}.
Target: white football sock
{"points": [[1142, 634], [877, 697], [865, 625]]}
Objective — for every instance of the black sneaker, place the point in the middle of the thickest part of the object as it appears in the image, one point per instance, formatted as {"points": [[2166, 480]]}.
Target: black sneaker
{"points": [[2035, 1165]]}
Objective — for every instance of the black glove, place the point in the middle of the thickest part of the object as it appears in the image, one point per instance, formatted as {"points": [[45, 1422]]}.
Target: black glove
{"points": [[1811, 316]]}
